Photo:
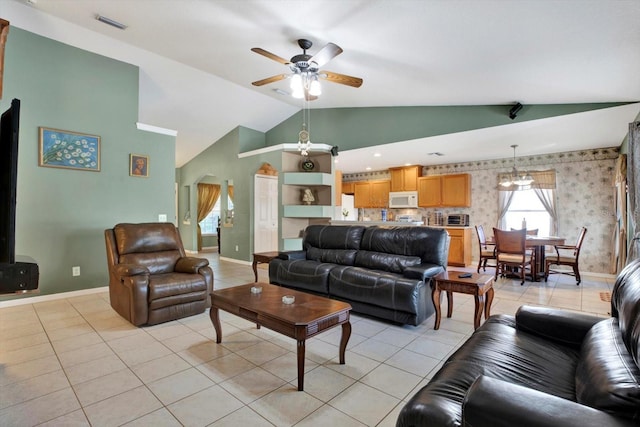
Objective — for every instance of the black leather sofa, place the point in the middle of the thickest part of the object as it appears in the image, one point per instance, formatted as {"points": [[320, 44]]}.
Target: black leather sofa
{"points": [[543, 367], [381, 271]]}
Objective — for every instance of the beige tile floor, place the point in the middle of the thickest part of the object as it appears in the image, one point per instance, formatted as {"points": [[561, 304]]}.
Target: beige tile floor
{"points": [[74, 361]]}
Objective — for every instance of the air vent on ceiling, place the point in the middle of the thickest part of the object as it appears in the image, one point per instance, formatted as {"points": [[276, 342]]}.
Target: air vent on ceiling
{"points": [[111, 22]]}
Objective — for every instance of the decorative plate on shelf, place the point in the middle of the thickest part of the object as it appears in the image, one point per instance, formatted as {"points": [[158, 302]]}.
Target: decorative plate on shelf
{"points": [[307, 164]]}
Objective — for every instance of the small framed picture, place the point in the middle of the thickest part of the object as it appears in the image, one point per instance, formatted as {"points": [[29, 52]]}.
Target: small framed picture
{"points": [[138, 165]]}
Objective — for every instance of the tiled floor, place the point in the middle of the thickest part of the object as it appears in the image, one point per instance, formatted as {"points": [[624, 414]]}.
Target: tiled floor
{"points": [[76, 362]]}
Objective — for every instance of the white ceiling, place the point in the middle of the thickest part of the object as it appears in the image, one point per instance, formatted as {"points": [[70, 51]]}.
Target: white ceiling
{"points": [[197, 67]]}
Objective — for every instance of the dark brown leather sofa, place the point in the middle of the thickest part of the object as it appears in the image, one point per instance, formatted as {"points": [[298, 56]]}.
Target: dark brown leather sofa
{"points": [[543, 367], [150, 279]]}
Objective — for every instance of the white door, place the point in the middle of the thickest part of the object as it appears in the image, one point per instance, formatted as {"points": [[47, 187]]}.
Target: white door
{"points": [[265, 238]]}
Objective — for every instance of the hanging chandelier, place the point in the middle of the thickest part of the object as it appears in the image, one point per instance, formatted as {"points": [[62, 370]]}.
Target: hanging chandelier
{"points": [[520, 179]]}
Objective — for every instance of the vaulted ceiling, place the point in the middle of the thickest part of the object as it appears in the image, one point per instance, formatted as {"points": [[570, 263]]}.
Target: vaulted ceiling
{"points": [[197, 66]]}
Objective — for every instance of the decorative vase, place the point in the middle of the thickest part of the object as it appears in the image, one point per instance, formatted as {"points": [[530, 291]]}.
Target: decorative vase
{"points": [[307, 165]]}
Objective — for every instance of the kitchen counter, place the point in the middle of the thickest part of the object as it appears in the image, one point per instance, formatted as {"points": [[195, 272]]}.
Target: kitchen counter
{"points": [[370, 223]]}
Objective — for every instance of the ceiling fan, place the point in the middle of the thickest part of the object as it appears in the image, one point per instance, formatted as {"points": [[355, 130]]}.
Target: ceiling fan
{"points": [[305, 70]]}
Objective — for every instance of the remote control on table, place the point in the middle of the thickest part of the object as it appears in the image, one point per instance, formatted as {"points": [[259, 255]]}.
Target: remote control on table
{"points": [[464, 275]]}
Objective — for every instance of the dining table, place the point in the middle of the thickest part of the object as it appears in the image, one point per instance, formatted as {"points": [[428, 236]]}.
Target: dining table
{"points": [[537, 243]]}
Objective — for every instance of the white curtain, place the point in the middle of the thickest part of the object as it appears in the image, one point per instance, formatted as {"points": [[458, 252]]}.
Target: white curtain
{"points": [[504, 201], [548, 199]]}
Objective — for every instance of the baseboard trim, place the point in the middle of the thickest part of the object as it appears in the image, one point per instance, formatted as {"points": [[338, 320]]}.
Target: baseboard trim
{"points": [[237, 261], [52, 297]]}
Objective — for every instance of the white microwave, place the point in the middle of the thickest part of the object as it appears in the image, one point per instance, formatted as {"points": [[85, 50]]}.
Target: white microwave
{"points": [[403, 199]]}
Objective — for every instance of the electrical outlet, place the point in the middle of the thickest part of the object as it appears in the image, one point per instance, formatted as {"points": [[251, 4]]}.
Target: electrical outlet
{"points": [[75, 271], [236, 248], [162, 218]]}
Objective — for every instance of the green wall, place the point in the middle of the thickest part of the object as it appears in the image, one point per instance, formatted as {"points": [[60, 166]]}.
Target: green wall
{"points": [[62, 213], [352, 128], [221, 161]]}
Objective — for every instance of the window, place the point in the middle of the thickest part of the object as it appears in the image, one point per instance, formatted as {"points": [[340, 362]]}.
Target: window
{"points": [[526, 204], [209, 224]]}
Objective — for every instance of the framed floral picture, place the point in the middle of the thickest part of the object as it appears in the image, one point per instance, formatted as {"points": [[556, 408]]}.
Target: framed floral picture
{"points": [[69, 150], [138, 165]]}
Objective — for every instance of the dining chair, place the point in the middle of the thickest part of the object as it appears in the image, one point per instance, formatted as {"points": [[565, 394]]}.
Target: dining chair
{"points": [[511, 251], [487, 250], [566, 255], [530, 231]]}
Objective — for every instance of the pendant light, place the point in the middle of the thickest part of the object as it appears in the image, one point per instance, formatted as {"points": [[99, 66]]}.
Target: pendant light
{"points": [[520, 179]]}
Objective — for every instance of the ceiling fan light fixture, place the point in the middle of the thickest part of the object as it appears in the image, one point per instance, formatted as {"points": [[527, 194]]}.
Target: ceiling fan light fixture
{"points": [[305, 70], [296, 82], [314, 88]]}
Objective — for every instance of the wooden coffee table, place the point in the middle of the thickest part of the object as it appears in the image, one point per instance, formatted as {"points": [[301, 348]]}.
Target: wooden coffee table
{"points": [[477, 285], [308, 316]]}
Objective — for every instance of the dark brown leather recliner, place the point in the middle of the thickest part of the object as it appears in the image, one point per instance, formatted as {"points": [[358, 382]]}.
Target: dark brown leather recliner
{"points": [[150, 279]]}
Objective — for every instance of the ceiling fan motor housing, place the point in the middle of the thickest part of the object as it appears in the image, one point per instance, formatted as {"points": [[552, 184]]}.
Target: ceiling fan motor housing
{"points": [[305, 44], [301, 61]]}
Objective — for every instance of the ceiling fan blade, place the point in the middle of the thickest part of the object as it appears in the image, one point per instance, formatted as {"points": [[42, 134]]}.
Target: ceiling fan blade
{"points": [[270, 55], [326, 54], [269, 80], [343, 79]]}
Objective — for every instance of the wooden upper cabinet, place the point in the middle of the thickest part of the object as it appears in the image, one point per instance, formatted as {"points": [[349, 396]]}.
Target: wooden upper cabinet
{"points": [[456, 190], [347, 187], [362, 194], [445, 191], [380, 194], [429, 191], [371, 194], [405, 178]]}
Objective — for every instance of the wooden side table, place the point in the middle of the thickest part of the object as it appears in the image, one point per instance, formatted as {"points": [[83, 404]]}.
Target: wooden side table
{"points": [[262, 257], [477, 285]]}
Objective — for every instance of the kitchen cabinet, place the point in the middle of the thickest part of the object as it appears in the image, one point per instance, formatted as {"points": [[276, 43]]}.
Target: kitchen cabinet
{"points": [[347, 187], [371, 194], [460, 246], [429, 191], [405, 178], [445, 191]]}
